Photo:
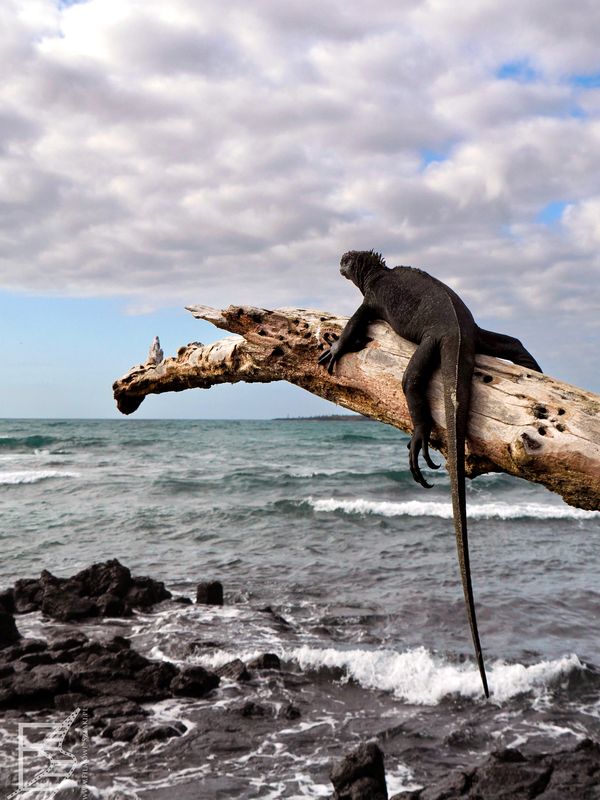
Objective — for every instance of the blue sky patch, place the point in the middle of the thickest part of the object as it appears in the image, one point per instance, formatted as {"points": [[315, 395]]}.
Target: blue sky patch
{"points": [[589, 81], [551, 213], [429, 156], [520, 70]]}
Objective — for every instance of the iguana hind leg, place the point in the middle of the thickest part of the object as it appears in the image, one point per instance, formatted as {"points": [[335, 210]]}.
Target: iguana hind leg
{"points": [[502, 346], [414, 384]]}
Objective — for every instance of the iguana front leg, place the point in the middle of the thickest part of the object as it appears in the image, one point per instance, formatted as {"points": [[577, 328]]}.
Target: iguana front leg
{"points": [[353, 334]]}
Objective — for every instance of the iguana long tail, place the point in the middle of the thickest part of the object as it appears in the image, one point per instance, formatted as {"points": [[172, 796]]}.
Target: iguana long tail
{"points": [[457, 371]]}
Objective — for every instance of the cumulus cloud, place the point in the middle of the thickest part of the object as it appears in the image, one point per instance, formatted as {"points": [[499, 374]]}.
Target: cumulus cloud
{"points": [[180, 152]]}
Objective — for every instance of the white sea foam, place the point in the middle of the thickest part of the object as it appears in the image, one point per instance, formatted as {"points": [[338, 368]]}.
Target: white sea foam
{"points": [[417, 677], [33, 476], [431, 508], [312, 472]]}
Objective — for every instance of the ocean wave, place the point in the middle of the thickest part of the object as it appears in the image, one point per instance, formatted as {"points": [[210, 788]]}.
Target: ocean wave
{"points": [[34, 442], [417, 677], [431, 508], [33, 476]]}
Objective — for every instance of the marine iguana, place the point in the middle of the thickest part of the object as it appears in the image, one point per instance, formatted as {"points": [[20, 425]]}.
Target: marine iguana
{"points": [[425, 311]]}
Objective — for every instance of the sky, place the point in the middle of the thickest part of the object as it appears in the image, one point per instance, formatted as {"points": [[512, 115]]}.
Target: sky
{"points": [[161, 153]]}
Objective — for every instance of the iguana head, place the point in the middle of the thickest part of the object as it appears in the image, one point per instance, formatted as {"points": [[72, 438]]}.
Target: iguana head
{"points": [[356, 265]]}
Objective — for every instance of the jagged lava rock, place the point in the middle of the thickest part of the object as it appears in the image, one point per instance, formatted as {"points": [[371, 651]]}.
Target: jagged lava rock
{"points": [[9, 633], [234, 671], [75, 671], [265, 661], [509, 775], [209, 593], [360, 775], [194, 682], [103, 589], [7, 601]]}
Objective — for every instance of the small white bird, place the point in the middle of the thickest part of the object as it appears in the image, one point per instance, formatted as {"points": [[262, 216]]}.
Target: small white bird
{"points": [[155, 354]]}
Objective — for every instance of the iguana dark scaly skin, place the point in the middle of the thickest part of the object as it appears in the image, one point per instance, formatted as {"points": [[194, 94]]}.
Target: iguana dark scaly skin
{"points": [[424, 310]]}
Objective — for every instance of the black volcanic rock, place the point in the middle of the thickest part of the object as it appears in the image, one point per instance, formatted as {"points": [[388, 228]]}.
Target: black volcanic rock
{"points": [[108, 577], [75, 671], [67, 606], [509, 775], [209, 593], [7, 601], [234, 671], [8, 629], [27, 595], [106, 589], [38, 686], [121, 731], [110, 605], [194, 682], [360, 775], [145, 592], [159, 733], [265, 661], [252, 709]]}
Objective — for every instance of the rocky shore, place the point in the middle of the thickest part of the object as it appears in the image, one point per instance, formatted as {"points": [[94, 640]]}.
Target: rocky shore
{"points": [[507, 774], [116, 684], [109, 678]]}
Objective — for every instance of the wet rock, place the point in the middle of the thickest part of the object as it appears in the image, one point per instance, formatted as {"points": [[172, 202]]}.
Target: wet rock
{"points": [[159, 733], [290, 711], [38, 686], [5, 670], [277, 618], [266, 661], [122, 673], [457, 784], [252, 709], [33, 659], [108, 577], [118, 643], [109, 605], [8, 630], [121, 731], [7, 601], [66, 606], [158, 676], [70, 701], [194, 647], [27, 594], [73, 642], [103, 589], [360, 775], [509, 775], [194, 682], [147, 592], [183, 600], [234, 671], [210, 593], [105, 710], [23, 646]]}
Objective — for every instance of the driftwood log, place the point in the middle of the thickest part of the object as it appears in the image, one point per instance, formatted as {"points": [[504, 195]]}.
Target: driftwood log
{"points": [[521, 422]]}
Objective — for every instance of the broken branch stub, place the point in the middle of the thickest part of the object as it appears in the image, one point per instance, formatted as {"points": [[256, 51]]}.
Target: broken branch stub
{"points": [[521, 422]]}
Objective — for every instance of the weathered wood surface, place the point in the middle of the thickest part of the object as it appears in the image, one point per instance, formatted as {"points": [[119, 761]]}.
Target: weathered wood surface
{"points": [[521, 422]]}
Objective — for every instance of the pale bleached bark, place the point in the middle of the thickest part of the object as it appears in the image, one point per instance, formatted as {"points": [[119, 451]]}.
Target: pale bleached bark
{"points": [[521, 422]]}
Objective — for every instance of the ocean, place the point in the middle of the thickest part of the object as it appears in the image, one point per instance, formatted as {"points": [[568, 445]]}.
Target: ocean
{"points": [[332, 558]]}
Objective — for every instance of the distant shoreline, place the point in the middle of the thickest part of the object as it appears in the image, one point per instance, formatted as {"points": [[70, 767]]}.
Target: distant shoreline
{"points": [[327, 418]]}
